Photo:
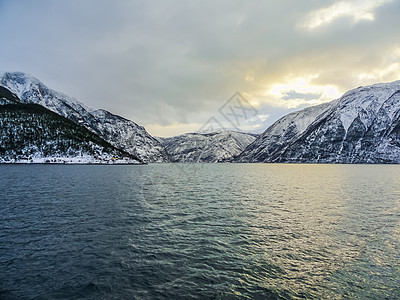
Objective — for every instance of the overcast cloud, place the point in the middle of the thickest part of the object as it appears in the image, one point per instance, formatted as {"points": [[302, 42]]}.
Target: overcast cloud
{"points": [[170, 65]]}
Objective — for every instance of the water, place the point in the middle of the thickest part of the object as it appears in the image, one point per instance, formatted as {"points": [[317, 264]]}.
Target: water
{"points": [[212, 231]]}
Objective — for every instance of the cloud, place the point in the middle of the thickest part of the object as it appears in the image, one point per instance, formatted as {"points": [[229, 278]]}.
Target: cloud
{"points": [[292, 94], [378, 75], [387, 70], [171, 65], [357, 10]]}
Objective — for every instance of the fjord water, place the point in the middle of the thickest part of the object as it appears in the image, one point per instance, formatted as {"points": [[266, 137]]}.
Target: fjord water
{"points": [[200, 231]]}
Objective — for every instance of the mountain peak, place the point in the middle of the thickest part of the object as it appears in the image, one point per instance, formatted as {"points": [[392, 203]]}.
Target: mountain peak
{"points": [[119, 132], [207, 147], [363, 126]]}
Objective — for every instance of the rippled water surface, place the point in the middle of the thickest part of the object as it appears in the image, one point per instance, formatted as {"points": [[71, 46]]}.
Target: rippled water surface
{"points": [[200, 231]]}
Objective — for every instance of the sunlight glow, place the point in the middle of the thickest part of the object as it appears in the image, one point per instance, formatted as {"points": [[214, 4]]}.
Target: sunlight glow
{"points": [[384, 74], [391, 73], [299, 91]]}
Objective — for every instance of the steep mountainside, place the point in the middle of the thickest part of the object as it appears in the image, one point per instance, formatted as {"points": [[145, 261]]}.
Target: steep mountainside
{"points": [[118, 131], [32, 133], [210, 147], [6, 97], [363, 126]]}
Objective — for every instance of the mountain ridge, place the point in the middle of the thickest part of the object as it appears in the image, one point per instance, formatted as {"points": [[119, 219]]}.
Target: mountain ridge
{"points": [[350, 129], [207, 147], [30, 133], [362, 126], [118, 131]]}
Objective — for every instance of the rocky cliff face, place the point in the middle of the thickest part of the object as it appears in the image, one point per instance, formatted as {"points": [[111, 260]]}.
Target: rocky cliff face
{"points": [[363, 126], [119, 132]]}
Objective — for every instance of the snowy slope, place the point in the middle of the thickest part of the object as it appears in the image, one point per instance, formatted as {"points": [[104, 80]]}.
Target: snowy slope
{"points": [[363, 126], [120, 132], [210, 147], [30, 133]]}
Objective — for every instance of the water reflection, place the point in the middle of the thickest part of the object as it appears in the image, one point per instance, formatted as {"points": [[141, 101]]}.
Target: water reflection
{"points": [[291, 218], [369, 223]]}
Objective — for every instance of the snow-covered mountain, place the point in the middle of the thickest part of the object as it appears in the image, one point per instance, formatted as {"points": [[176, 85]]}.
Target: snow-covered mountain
{"points": [[119, 132], [363, 126], [30, 133], [210, 147]]}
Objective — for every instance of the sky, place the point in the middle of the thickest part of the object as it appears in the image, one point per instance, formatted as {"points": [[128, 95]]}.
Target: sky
{"points": [[172, 66]]}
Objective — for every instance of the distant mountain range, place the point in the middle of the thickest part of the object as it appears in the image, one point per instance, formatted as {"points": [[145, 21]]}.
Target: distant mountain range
{"points": [[363, 126], [31, 133], [210, 147]]}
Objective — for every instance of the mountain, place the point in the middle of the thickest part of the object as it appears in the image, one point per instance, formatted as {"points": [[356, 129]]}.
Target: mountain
{"points": [[363, 126], [210, 147], [32, 133], [118, 131], [6, 97]]}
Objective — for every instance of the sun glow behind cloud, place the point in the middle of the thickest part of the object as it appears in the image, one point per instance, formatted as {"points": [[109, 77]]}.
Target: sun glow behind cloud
{"points": [[358, 10], [378, 75], [295, 92], [389, 72]]}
